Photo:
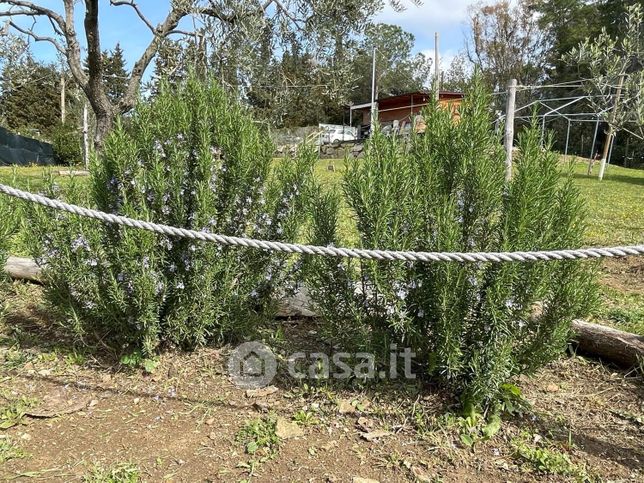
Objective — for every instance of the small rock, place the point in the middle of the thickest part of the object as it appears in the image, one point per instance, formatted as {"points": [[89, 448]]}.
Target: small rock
{"points": [[93, 403], [26, 437], [421, 475], [330, 445], [210, 421], [262, 407], [345, 407], [552, 387], [212, 436], [374, 435], [137, 400], [365, 424], [262, 392], [286, 429]]}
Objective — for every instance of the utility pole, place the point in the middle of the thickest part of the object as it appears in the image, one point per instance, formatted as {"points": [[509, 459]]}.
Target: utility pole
{"points": [[374, 108], [85, 137], [63, 107], [611, 128], [509, 127], [437, 69]]}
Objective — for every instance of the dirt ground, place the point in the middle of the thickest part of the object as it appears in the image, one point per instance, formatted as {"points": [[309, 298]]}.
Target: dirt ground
{"points": [[69, 415]]}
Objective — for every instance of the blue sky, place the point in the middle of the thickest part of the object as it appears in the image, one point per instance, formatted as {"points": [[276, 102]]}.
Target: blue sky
{"points": [[120, 24]]}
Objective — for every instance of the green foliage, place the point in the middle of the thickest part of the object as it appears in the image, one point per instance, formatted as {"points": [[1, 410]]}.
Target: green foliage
{"points": [[543, 457], [612, 61], [67, 143], [192, 158], [399, 71], [259, 438], [30, 99], [118, 473], [473, 326], [14, 412], [8, 225], [9, 451]]}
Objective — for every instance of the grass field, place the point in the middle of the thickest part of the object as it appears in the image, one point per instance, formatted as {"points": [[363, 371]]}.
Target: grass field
{"points": [[616, 217]]}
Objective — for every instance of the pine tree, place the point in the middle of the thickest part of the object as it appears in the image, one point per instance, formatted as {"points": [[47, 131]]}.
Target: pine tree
{"points": [[30, 99], [114, 73]]}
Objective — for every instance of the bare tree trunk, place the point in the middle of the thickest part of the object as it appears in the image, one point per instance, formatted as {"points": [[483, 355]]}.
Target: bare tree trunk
{"points": [[104, 123]]}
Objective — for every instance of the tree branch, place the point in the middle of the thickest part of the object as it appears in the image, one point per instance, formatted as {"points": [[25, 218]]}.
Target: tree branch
{"points": [[133, 5], [38, 38], [167, 27], [33, 10]]}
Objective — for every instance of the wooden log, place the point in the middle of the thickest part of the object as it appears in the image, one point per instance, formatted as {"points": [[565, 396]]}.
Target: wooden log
{"points": [[613, 345], [72, 172], [20, 268]]}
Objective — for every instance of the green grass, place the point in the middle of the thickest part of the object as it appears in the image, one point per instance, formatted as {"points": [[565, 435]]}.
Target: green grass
{"points": [[615, 209], [616, 205], [118, 473]]}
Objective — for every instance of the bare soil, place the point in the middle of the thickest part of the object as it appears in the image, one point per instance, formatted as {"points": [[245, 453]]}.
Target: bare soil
{"points": [[83, 411]]}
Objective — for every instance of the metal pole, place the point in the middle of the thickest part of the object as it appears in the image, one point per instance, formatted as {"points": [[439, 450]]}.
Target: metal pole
{"points": [[373, 90], [610, 152], [567, 138], [437, 69], [509, 127]]}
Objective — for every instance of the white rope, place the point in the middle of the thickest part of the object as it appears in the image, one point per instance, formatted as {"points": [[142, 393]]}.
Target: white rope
{"points": [[328, 251]]}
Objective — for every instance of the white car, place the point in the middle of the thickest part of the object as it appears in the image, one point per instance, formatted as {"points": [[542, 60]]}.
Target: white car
{"points": [[339, 135]]}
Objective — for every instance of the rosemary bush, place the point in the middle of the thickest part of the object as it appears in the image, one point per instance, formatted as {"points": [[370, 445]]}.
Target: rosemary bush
{"points": [[8, 222], [473, 326], [190, 158]]}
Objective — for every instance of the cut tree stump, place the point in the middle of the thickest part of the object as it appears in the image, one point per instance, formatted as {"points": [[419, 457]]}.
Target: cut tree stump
{"points": [[613, 345], [610, 344]]}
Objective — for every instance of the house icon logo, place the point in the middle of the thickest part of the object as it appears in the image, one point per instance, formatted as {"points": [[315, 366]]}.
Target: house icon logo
{"points": [[252, 365]]}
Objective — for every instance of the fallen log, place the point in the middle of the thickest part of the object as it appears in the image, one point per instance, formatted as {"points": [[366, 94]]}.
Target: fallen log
{"points": [[613, 345], [20, 268], [617, 346], [72, 172]]}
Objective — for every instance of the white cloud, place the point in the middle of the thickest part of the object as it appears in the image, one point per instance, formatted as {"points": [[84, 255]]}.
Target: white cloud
{"points": [[431, 14], [446, 56]]}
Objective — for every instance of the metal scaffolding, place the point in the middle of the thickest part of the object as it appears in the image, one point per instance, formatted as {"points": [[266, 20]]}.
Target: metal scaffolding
{"points": [[558, 107]]}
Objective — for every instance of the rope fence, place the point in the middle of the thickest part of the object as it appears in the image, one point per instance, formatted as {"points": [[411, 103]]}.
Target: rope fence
{"points": [[328, 251]]}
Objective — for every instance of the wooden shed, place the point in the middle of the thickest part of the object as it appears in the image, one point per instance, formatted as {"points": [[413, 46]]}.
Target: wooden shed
{"points": [[400, 111]]}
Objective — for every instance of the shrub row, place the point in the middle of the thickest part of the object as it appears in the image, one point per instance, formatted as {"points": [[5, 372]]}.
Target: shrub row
{"points": [[193, 158]]}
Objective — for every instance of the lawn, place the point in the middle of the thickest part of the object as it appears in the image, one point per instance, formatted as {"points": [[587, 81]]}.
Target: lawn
{"points": [[615, 212]]}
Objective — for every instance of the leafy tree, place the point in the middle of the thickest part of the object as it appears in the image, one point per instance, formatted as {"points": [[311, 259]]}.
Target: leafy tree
{"points": [[31, 97], [397, 70], [458, 75], [616, 83], [227, 21], [506, 43], [115, 75]]}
